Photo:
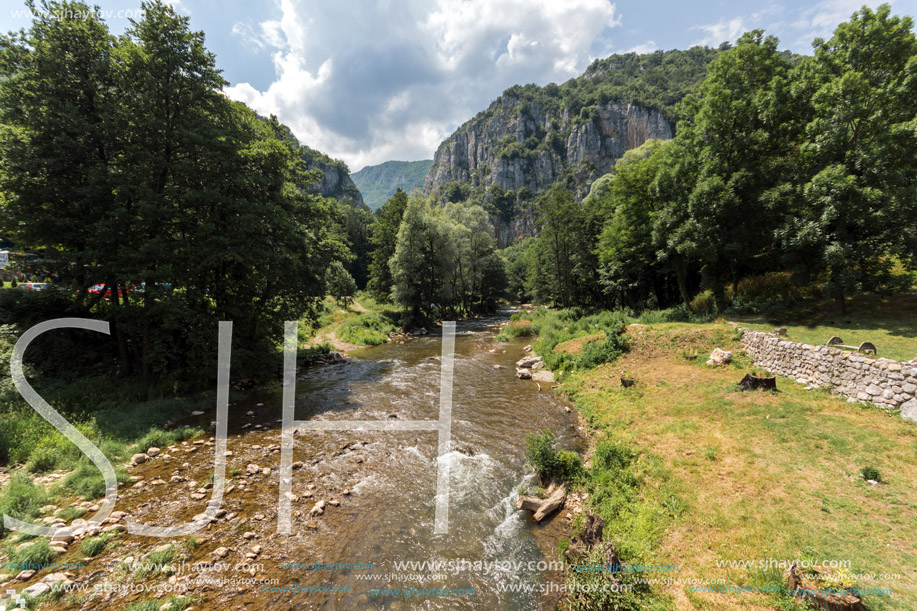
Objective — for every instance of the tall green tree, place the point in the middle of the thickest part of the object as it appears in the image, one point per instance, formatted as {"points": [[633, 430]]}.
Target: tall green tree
{"points": [[383, 239], [423, 256], [859, 202], [736, 134]]}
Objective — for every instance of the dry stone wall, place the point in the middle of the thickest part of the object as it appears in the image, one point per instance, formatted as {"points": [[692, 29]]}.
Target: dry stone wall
{"points": [[883, 382]]}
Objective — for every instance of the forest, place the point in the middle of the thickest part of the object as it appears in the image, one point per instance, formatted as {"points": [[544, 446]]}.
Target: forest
{"points": [[789, 178]]}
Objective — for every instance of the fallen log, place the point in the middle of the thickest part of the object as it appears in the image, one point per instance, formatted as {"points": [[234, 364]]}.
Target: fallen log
{"points": [[542, 508]]}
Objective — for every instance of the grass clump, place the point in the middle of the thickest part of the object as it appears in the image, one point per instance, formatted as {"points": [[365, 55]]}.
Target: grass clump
{"points": [[35, 554], [871, 473], [157, 562], [70, 513], [94, 546], [21, 499], [369, 329], [87, 481]]}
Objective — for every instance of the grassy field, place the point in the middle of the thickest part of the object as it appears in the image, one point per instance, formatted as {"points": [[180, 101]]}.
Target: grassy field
{"points": [[888, 322], [718, 478]]}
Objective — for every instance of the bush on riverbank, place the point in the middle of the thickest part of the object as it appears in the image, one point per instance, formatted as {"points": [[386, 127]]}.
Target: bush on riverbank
{"points": [[549, 462], [369, 329], [604, 331]]}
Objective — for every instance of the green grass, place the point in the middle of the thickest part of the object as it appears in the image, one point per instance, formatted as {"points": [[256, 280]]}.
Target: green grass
{"points": [[21, 499], [87, 481], [156, 563], [70, 513], [698, 472], [601, 333], [369, 329], [176, 603], [31, 554], [888, 322], [94, 546]]}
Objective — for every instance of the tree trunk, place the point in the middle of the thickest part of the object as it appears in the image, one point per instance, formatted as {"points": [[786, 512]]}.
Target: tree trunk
{"points": [[840, 302], [681, 275]]}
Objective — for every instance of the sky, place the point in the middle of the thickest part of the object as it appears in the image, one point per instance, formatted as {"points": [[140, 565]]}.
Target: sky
{"points": [[368, 81]]}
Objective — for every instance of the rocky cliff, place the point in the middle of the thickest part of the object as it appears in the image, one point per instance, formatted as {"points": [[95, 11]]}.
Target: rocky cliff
{"points": [[336, 181], [517, 144]]}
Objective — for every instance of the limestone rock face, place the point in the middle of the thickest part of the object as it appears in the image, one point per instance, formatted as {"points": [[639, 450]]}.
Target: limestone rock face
{"points": [[518, 144]]}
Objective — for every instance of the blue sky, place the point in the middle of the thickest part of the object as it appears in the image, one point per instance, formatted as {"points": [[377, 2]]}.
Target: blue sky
{"points": [[371, 80]]}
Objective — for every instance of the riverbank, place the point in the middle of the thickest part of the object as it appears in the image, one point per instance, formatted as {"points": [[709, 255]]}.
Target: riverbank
{"points": [[725, 489]]}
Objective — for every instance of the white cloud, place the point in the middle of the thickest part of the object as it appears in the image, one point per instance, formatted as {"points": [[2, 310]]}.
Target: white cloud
{"points": [[648, 47], [392, 79], [722, 31], [821, 20]]}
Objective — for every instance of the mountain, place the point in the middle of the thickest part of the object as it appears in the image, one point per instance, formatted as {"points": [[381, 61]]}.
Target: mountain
{"points": [[336, 180], [377, 183], [531, 136]]}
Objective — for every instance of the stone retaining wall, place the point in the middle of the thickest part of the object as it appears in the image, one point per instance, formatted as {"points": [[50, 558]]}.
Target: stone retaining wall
{"points": [[884, 382]]}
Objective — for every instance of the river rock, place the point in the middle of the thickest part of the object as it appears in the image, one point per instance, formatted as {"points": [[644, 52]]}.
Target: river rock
{"points": [[153, 452], [220, 552], [524, 374], [139, 459], [527, 362], [544, 375], [317, 509]]}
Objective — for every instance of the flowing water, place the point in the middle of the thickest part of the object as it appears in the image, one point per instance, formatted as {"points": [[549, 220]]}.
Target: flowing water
{"points": [[387, 517]]}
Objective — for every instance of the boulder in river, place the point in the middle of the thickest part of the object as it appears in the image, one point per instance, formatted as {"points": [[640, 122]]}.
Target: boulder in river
{"points": [[527, 362], [524, 374]]}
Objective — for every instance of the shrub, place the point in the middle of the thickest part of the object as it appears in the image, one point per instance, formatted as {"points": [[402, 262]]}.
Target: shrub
{"points": [[871, 473], [370, 329], [539, 451], [549, 463]]}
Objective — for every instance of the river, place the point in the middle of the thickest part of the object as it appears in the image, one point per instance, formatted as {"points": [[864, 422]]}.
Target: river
{"points": [[385, 484]]}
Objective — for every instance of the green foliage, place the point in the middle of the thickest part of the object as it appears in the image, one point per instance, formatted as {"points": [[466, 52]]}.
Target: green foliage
{"points": [[378, 183], [33, 553], [604, 333], [550, 463], [93, 546], [341, 284], [370, 329], [21, 499], [87, 482], [871, 473], [193, 182], [384, 240], [445, 261]]}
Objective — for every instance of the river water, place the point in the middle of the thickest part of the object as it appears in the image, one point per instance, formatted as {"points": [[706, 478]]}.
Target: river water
{"points": [[385, 484]]}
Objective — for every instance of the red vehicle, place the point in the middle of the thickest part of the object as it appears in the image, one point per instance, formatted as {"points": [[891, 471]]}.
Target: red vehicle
{"points": [[95, 289]]}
